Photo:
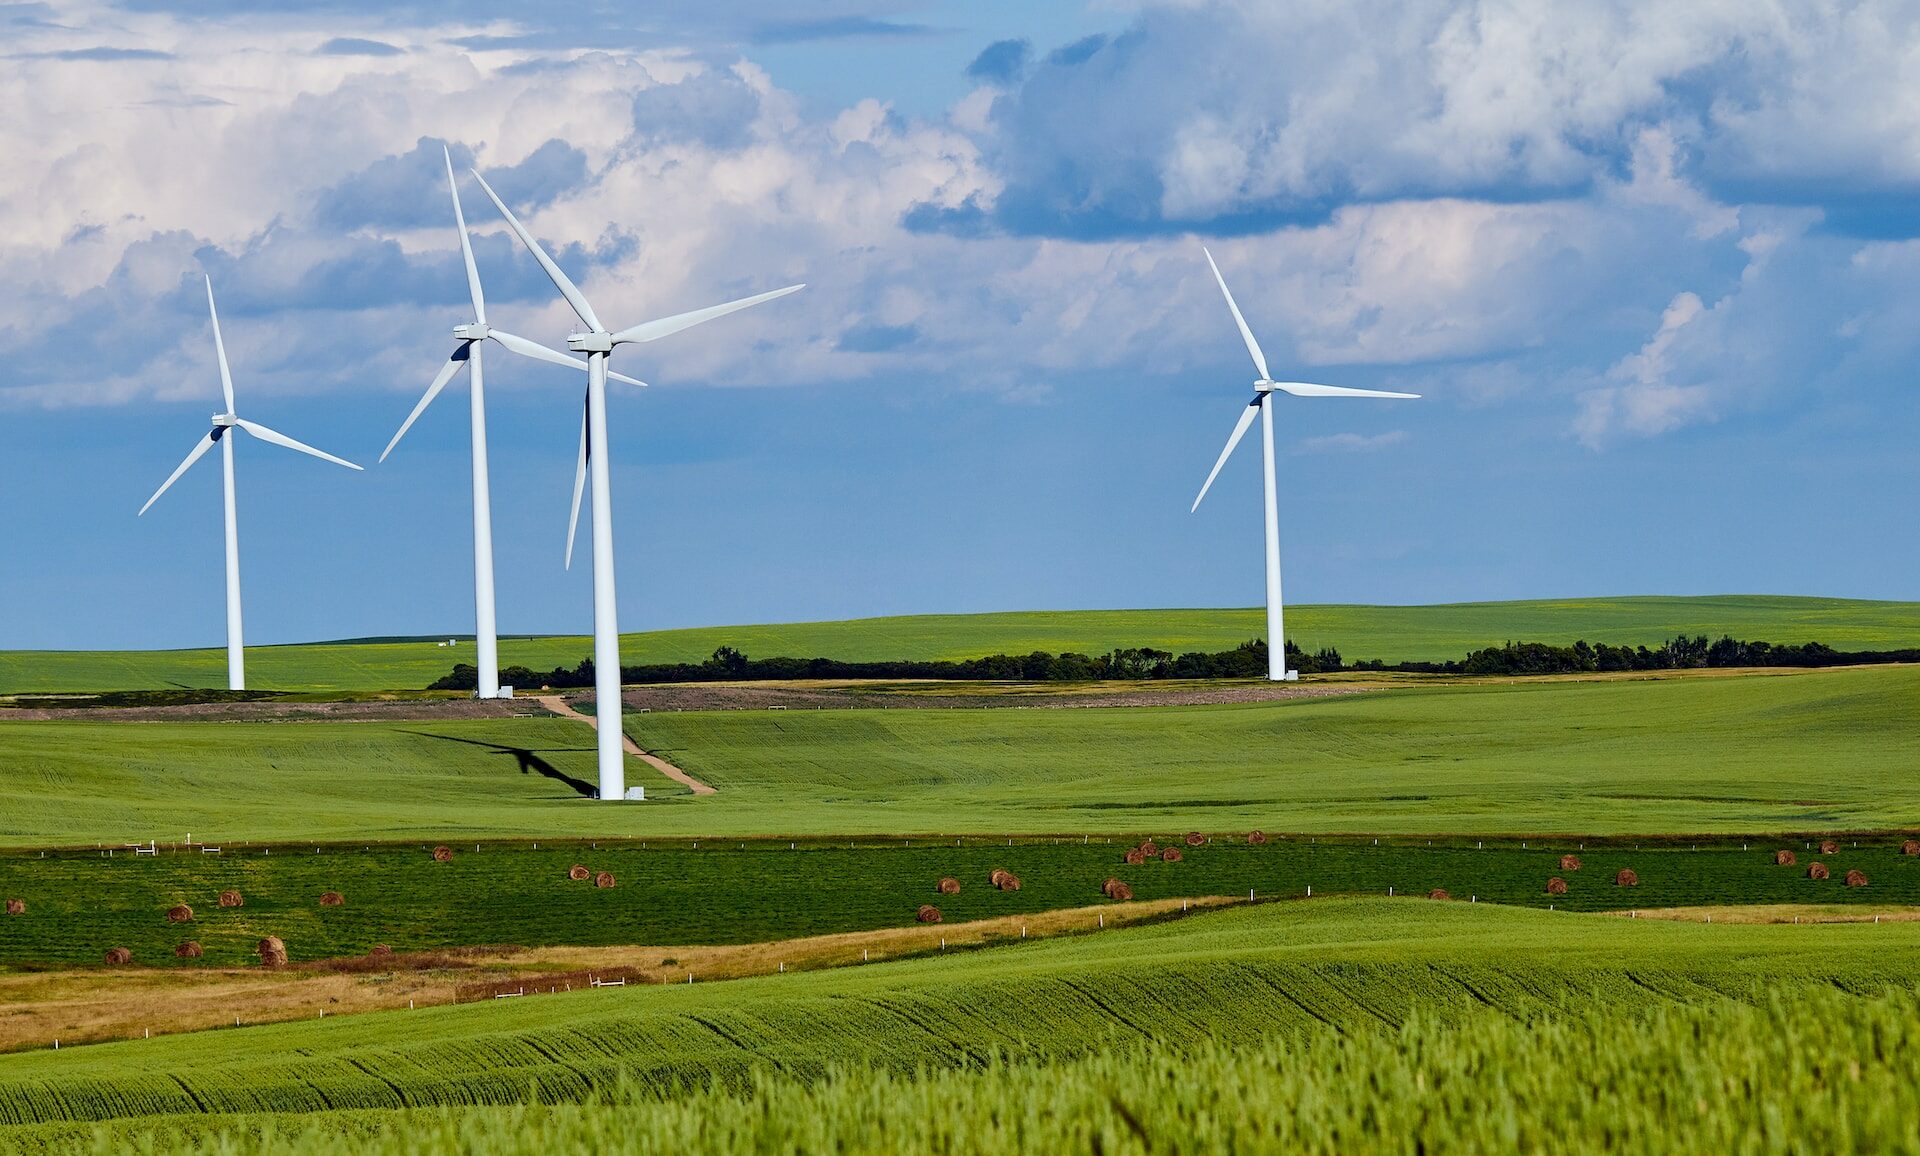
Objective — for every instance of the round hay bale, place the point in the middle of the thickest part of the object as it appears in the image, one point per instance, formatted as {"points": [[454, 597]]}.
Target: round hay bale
{"points": [[273, 953], [1135, 856], [332, 899], [443, 854], [1829, 847], [1625, 877], [604, 879], [1149, 848], [379, 951], [1438, 893], [16, 907], [948, 885], [1195, 838], [1569, 862], [1171, 855], [119, 956], [1117, 891], [1910, 847], [1556, 886], [1009, 881], [578, 872], [1257, 837], [996, 875], [1783, 859], [231, 899], [1856, 878], [179, 913], [191, 949], [1818, 871], [928, 913]]}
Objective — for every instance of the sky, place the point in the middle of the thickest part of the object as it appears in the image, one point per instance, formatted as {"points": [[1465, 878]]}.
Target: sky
{"points": [[1654, 269]]}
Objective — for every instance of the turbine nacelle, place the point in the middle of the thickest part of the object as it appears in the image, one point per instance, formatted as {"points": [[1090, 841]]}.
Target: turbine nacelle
{"points": [[596, 341], [225, 420], [473, 331]]}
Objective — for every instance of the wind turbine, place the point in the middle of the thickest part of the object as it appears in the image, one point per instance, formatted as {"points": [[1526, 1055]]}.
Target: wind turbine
{"points": [[597, 343], [223, 423], [467, 353], [1264, 388]]}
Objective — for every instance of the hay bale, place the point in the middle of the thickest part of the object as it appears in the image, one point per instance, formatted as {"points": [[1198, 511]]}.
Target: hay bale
{"points": [[1818, 871], [1195, 838], [604, 879], [1171, 855], [1910, 847], [119, 956], [1135, 856], [1625, 877], [1115, 890], [1829, 847], [1008, 881], [379, 951], [273, 952], [189, 950], [1257, 838], [332, 899], [1438, 893], [16, 907], [1556, 886], [443, 854], [179, 913], [928, 913], [948, 885], [231, 899], [578, 872], [1569, 862], [1856, 878], [996, 875], [1783, 859], [1149, 848]]}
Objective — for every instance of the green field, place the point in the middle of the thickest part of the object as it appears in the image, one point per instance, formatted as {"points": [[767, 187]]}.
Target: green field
{"points": [[1833, 750], [1243, 978], [80, 904], [1430, 633]]}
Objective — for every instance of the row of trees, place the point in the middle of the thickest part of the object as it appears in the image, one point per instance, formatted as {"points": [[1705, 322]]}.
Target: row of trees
{"points": [[1248, 660]]}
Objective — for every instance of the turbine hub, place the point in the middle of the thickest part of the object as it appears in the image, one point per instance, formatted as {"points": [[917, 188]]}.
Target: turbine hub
{"points": [[596, 342], [475, 331]]}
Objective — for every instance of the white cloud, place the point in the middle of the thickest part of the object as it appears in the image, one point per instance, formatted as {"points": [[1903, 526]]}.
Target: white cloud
{"points": [[1347, 443]]}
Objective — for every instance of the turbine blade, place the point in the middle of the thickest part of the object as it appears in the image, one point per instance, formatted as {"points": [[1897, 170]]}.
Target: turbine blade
{"points": [[466, 246], [440, 381], [567, 288], [199, 449], [280, 439], [220, 348], [1308, 389], [540, 352], [655, 330], [579, 485], [1239, 431], [1253, 347]]}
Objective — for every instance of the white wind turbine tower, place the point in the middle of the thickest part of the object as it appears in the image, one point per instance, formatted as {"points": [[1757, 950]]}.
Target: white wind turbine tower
{"points": [[223, 423], [467, 353], [1262, 406], [597, 343]]}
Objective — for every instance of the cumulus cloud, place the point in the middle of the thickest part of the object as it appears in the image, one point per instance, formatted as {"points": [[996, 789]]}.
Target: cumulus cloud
{"points": [[1347, 443]]}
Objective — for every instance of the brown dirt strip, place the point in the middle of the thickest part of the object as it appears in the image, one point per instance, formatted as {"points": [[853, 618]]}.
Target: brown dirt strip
{"points": [[1778, 913], [396, 710], [93, 1004], [564, 709]]}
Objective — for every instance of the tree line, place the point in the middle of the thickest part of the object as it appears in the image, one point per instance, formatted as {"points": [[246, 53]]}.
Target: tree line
{"points": [[1248, 660]]}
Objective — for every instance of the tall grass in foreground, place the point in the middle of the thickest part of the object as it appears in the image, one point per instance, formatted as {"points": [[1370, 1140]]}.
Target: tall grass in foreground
{"points": [[1827, 1072]]}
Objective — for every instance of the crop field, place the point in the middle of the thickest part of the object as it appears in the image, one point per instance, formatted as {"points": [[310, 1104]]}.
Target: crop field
{"points": [[1833, 750], [680, 892], [1392, 633], [1243, 977]]}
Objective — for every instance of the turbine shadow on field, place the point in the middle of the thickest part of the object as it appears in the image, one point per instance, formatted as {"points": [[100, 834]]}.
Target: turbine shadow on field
{"points": [[530, 761]]}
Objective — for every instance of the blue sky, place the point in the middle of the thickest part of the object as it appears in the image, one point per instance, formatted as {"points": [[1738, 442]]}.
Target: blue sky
{"points": [[1655, 268]]}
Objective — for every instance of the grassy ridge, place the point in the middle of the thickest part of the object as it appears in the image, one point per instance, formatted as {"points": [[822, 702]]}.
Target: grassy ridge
{"points": [[1238, 976], [80, 905], [1833, 750], [1835, 1073], [1389, 632]]}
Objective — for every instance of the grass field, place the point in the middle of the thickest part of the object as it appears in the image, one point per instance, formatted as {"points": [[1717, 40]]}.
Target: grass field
{"points": [[1387, 632], [1834, 750], [1242, 977], [79, 905]]}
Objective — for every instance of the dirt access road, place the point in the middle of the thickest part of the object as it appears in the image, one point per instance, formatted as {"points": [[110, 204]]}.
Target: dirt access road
{"points": [[564, 709]]}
